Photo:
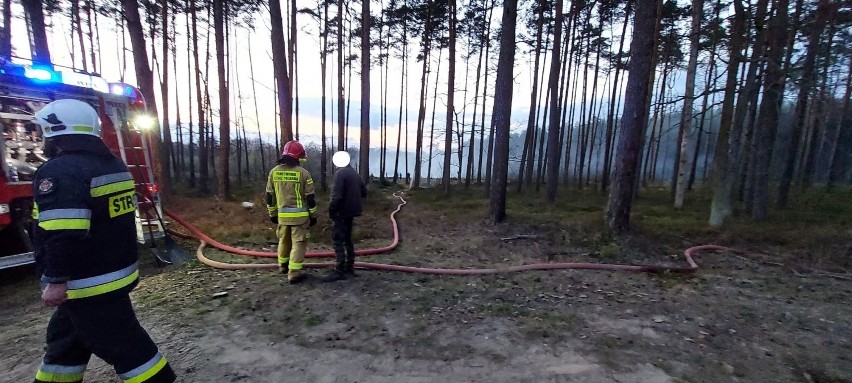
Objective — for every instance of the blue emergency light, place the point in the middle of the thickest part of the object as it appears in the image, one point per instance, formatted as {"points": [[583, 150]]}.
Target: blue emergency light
{"points": [[121, 90], [40, 74]]}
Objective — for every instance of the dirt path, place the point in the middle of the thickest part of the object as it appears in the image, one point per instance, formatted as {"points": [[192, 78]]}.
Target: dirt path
{"points": [[737, 320]]}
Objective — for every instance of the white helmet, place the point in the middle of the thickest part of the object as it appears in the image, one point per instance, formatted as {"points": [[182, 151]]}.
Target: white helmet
{"points": [[68, 116]]}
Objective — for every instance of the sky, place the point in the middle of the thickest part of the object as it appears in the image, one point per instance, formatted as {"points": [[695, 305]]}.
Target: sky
{"points": [[250, 50]]}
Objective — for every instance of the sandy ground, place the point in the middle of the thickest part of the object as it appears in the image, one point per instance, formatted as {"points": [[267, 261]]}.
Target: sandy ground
{"points": [[737, 320]]}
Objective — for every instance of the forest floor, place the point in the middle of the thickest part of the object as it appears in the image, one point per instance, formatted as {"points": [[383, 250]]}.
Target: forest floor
{"points": [[779, 312]]}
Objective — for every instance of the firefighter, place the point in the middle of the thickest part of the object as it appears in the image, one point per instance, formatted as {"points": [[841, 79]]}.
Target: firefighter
{"points": [[84, 234], [344, 206], [292, 206]]}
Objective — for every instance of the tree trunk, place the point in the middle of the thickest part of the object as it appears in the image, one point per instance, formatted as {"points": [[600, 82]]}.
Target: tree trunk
{"points": [[553, 131], [262, 150], [38, 34], [751, 88], [341, 118], [816, 139], [434, 110], [91, 34], [635, 117], [166, 151], [451, 91], [203, 156], [77, 26], [176, 153], [364, 163], [502, 110], [529, 142], [294, 62], [421, 113], [323, 69], [486, 38], [610, 121], [224, 100], [701, 120], [6, 32], [689, 98], [770, 108], [144, 76], [402, 104], [190, 6], [472, 146], [282, 76], [821, 15], [835, 157], [721, 208]]}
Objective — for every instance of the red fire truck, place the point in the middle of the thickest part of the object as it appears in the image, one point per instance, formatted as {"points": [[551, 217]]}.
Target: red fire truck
{"points": [[24, 89]]}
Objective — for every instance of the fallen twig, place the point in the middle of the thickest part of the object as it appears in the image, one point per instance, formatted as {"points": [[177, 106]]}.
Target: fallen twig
{"points": [[521, 236]]}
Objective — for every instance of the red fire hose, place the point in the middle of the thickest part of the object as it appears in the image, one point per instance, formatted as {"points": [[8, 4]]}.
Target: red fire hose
{"points": [[688, 254]]}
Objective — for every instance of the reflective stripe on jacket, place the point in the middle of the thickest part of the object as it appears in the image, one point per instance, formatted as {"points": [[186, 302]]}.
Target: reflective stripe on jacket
{"points": [[84, 228], [290, 191]]}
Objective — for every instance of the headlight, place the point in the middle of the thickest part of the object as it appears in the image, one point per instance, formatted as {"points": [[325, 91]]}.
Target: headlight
{"points": [[4, 209], [144, 122]]}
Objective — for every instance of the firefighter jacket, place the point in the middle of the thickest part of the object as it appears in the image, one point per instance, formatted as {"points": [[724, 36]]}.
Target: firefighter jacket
{"points": [[290, 195], [346, 194], [84, 225]]}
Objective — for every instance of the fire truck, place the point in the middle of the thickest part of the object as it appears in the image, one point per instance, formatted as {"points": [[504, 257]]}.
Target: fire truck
{"points": [[24, 89]]}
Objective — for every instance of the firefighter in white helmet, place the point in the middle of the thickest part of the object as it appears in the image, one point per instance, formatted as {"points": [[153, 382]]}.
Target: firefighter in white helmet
{"points": [[292, 205], [84, 234]]}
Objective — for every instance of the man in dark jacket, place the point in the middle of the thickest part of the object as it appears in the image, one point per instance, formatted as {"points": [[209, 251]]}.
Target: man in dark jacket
{"points": [[344, 206]]}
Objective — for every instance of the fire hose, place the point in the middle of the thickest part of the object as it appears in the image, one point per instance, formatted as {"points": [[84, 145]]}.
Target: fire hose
{"points": [[206, 240]]}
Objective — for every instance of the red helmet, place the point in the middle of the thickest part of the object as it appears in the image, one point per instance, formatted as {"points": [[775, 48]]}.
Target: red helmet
{"points": [[294, 149]]}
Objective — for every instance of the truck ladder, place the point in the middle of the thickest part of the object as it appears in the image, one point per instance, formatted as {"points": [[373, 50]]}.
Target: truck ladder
{"points": [[134, 152]]}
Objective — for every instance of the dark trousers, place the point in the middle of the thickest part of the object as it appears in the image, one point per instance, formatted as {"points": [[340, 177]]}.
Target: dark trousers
{"points": [[107, 327], [344, 250]]}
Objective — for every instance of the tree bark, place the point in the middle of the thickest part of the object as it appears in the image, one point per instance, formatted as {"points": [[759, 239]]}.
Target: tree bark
{"points": [[487, 43], [689, 98], [816, 138], [144, 76], [224, 101], [165, 152], [451, 90], [529, 142], [723, 178], [364, 163], [341, 96], [502, 111], [835, 157], [282, 76], [190, 6], [402, 103], [323, 71], [610, 121], [770, 108], [421, 113], [6, 32], [635, 117], [35, 17], [821, 15], [554, 131]]}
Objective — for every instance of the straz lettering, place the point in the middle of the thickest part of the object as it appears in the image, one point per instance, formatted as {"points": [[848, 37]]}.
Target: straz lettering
{"points": [[122, 204], [286, 176]]}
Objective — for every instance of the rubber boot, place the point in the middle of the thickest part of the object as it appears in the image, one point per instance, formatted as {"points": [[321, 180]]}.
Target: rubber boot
{"points": [[349, 270], [338, 273], [334, 276], [298, 279]]}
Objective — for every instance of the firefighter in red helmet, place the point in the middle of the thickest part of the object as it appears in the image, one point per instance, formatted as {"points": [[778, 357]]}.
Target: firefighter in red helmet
{"points": [[292, 206]]}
